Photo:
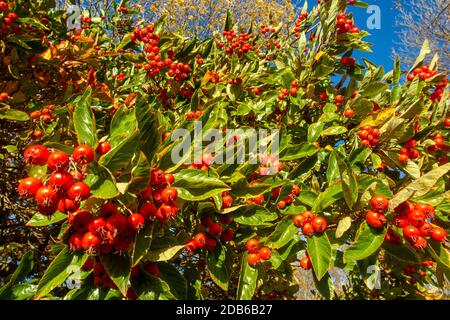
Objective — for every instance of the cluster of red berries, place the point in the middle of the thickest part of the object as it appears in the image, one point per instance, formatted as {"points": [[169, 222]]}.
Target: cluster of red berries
{"points": [[345, 24], [163, 206], [10, 18], [109, 230], [268, 165], [292, 91], [101, 278], [203, 163], [305, 262], [339, 99], [63, 190], [408, 152], [199, 59], [423, 73], [45, 114], [259, 199], [439, 90], [287, 200], [414, 271], [194, 114], [298, 22], [235, 81], [87, 21], [310, 223], [213, 231], [369, 136], [255, 254], [375, 217], [238, 44], [265, 29], [439, 143], [348, 61], [179, 71], [415, 220]]}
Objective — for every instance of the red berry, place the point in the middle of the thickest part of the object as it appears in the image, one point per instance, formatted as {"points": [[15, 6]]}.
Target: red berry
{"points": [[97, 225], [61, 180], [211, 243], [305, 263], [375, 219], [319, 224], [136, 221], [227, 235], [157, 177], [47, 196], [66, 205], [307, 229], [116, 223], [190, 246], [90, 241], [425, 229], [427, 209], [400, 221], [308, 216], [79, 220], [419, 243], [253, 259], [416, 218], [58, 160], [79, 191], [28, 187], [200, 240], [83, 154], [379, 203], [438, 234], [264, 253], [103, 148], [76, 242], [148, 210], [299, 220], [36, 155], [252, 245], [411, 232], [169, 195]]}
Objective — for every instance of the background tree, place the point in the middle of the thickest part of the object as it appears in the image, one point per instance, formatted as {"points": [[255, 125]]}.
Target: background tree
{"points": [[424, 19]]}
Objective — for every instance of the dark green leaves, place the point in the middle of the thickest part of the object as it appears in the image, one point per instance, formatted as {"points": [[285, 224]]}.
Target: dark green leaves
{"points": [[247, 280], [84, 120], [195, 185], [319, 250], [366, 243], [284, 233], [349, 182], [219, 262], [118, 268], [254, 215]]}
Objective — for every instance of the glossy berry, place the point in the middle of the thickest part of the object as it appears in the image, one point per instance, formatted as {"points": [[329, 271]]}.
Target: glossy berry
{"points": [[319, 224], [83, 154], [79, 220], [169, 195], [200, 240], [79, 191], [305, 263], [47, 196], [375, 219], [66, 205], [58, 160], [157, 177], [252, 245], [411, 232], [61, 180], [438, 234], [90, 241], [76, 242], [36, 155], [416, 218], [117, 222], [28, 187], [400, 221], [148, 210], [419, 243], [103, 148], [136, 221], [253, 259], [425, 229], [97, 225], [264, 253], [307, 229], [299, 220], [227, 235], [379, 203]]}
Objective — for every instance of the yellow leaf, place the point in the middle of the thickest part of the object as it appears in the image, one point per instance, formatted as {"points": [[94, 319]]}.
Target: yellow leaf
{"points": [[379, 118], [319, 55]]}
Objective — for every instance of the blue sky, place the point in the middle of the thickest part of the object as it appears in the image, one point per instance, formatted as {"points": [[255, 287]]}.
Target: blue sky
{"points": [[383, 40]]}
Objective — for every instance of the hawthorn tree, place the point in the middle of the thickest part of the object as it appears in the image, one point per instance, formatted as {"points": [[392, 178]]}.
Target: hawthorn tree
{"points": [[358, 187]]}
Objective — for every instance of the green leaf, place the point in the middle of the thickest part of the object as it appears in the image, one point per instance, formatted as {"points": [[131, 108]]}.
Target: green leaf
{"points": [[349, 182], [142, 243], [118, 268], [219, 262], [439, 253], [247, 280], [314, 131], [343, 225], [334, 130], [13, 115], [39, 220], [254, 215], [326, 198], [423, 52], [164, 254], [228, 21], [177, 283], [118, 158], [420, 186], [148, 126], [101, 183], [84, 120], [122, 126], [325, 286], [300, 151], [366, 243], [319, 250], [25, 267], [284, 233], [65, 264], [151, 288], [195, 185]]}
